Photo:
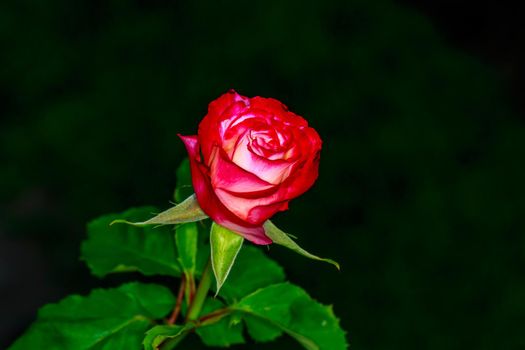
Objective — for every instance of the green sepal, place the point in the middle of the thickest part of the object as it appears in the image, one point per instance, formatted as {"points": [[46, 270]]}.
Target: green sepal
{"points": [[187, 211], [225, 245], [164, 334], [105, 319], [282, 238]]}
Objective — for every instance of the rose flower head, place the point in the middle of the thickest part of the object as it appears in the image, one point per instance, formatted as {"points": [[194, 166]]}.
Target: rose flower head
{"points": [[250, 158]]}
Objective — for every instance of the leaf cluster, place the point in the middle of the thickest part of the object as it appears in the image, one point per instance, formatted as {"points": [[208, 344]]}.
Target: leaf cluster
{"points": [[255, 300]]}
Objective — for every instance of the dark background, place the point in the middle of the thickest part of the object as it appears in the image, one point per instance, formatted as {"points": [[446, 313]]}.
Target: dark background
{"points": [[419, 103]]}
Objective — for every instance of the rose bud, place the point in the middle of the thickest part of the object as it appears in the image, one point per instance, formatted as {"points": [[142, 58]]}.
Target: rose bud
{"points": [[250, 158]]}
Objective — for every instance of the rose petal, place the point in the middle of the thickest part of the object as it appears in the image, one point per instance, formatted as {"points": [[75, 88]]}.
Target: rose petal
{"points": [[209, 202], [209, 128], [268, 104], [244, 207], [272, 171], [219, 106], [227, 175], [266, 211], [257, 209]]}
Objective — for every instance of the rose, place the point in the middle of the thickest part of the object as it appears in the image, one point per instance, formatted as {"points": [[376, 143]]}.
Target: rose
{"points": [[250, 158]]}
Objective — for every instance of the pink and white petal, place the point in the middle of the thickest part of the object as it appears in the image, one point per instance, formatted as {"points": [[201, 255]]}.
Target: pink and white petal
{"points": [[230, 115], [255, 234], [258, 208], [209, 202], [219, 105], [227, 175], [303, 178], [243, 206], [240, 206], [208, 135], [237, 129], [272, 171], [262, 213], [210, 126]]}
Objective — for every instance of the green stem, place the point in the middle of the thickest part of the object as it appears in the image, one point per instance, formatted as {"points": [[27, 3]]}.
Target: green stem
{"points": [[189, 292], [200, 294], [195, 307], [214, 316]]}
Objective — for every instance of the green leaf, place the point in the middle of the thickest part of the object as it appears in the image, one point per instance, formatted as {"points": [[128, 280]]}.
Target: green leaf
{"points": [[105, 319], [253, 270], [184, 187], [157, 335], [221, 331], [123, 248], [186, 238], [282, 238], [225, 246], [187, 211], [261, 330], [291, 309]]}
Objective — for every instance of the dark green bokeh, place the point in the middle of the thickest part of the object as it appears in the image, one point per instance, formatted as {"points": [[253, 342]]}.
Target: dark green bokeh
{"points": [[420, 195]]}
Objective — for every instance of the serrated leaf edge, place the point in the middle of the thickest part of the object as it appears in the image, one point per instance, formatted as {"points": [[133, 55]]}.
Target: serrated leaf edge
{"points": [[295, 335]]}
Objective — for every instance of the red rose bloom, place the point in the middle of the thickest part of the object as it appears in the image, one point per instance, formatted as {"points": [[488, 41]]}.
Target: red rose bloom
{"points": [[250, 158]]}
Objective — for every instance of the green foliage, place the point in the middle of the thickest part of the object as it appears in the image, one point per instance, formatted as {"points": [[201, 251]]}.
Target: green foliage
{"points": [[252, 293], [105, 319], [261, 330], [118, 318], [291, 309], [223, 332], [160, 334], [122, 248], [251, 271], [186, 238], [225, 245], [123, 318]]}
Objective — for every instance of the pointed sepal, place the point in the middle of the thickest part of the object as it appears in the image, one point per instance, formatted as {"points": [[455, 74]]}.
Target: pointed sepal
{"points": [[225, 245], [187, 211], [282, 238]]}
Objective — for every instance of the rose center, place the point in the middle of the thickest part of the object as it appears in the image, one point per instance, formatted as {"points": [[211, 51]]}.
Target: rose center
{"points": [[270, 144]]}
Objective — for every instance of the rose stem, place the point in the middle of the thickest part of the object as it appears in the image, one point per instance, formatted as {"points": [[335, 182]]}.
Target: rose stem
{"points": [[195, 307], [180, 295], [200, 294], [190, 288], [214, 316]]}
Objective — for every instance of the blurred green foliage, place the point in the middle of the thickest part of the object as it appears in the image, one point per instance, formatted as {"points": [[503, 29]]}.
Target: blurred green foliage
{"points": [[420, 195]]}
